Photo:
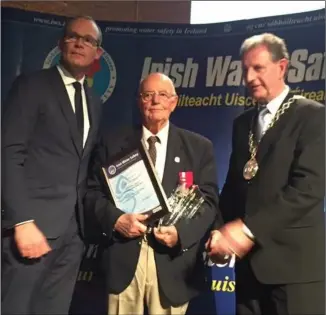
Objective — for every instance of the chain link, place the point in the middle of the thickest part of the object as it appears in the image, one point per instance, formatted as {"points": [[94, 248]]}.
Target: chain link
{"points": [[252, 146]]}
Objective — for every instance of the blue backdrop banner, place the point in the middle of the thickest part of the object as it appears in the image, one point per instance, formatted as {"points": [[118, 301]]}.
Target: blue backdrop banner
{"points": [[203, 61]]}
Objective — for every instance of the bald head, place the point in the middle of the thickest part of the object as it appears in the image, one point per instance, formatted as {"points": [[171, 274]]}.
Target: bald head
{"points": [[158, 77]]}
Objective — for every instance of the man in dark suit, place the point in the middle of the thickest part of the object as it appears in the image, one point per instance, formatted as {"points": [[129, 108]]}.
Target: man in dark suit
{"points": [[162, 269], [273, 197], [49, 128]]}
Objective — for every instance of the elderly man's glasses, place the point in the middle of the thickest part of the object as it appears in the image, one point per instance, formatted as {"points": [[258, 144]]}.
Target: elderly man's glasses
{"points": [[87, 39], [162, 96]]}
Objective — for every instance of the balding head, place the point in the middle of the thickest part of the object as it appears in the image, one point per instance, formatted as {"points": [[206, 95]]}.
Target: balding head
{"points": [[157, 76], [157, 100]]}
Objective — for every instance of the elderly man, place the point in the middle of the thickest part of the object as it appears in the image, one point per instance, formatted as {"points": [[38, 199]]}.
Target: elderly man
{"points": [[49, 128], [162, 270], [273, 197]]}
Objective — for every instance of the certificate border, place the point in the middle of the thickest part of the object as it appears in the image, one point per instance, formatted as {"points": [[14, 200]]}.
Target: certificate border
{"points": [[158, 188]]}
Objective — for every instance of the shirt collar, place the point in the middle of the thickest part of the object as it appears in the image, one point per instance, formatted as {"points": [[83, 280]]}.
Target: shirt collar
{"points": [[162, 134], [67, 77], [274, 104]]}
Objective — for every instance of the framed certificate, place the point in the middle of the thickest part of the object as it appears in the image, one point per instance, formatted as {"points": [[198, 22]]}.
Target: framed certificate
{"points": [[134, 183]]}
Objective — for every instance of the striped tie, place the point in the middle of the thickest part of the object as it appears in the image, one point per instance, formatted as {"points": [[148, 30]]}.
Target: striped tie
{"points": [[151, 148]]}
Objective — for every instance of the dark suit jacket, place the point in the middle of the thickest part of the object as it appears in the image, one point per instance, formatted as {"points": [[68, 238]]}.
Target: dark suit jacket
{"points": [[44, 166], [283, 205], [180, 270]]}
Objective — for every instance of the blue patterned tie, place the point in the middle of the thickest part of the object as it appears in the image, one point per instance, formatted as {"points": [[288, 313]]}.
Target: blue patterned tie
{"points": [[260, 122]]}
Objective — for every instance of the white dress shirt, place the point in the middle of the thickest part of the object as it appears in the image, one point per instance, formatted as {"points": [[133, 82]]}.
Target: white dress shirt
{"points": [[68, 81], [161, 147], [273, 106]]}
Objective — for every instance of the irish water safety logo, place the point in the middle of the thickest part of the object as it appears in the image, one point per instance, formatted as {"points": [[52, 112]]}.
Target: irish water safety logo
{"points": [[102, 76], [112, 170]]}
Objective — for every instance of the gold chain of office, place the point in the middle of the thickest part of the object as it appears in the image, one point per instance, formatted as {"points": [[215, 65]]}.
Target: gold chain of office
{"points": [[251, 167]]}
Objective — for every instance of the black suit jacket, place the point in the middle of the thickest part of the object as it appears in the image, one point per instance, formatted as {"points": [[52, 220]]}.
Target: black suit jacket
{"points": [[283, 205], [44, 166], [180, 270]]}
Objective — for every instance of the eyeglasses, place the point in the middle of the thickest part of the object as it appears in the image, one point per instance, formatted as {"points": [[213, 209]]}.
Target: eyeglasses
{"points": [[162, 96], [87, 39]]}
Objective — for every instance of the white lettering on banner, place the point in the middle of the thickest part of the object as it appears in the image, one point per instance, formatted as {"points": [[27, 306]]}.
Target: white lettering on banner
{"points": [[91, 251], [196, 31], [223, 68], [230, 263], [166, 31], [223, 71], [183, 74], [49, 22], [305, 67]]}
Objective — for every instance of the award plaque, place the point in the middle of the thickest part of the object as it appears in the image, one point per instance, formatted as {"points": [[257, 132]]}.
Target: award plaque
{"points": [[134, 184]]}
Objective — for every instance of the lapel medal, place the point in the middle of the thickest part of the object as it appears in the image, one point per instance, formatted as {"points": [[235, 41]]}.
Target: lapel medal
{"points": [[250, 169]]}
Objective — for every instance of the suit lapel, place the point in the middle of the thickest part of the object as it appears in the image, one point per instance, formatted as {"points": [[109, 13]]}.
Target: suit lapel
{"points": [[66, 108], [274, 133], [123, 140], [172, 163], [133, 139]]}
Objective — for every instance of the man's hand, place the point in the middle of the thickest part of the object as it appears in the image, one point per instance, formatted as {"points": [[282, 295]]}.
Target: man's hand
{"points": [[167, 235], [30, 241], [130, 225], [217, 247], [238, 241]]}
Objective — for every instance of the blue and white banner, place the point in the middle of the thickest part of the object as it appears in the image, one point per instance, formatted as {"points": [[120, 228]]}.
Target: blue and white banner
{"points": [[203, 61]]}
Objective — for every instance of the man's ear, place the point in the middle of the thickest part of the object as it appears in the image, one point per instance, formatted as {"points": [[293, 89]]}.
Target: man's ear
{"points": [[175, 103], [283, 64], [99, 52], [60, 44]]}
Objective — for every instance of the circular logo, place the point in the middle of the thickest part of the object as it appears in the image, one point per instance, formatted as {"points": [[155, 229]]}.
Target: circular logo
{"points": [[112, 169], [102, 75]]}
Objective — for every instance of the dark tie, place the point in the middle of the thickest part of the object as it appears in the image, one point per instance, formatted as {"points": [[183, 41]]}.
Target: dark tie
{"points": [[79, 108], [263, 110], [151, 147]]}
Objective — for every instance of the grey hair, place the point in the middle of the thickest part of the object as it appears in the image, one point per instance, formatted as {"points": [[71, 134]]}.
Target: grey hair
{"points": [[274, 44], [83, 17]]}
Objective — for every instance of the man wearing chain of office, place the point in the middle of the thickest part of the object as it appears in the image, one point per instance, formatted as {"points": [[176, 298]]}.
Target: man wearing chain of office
{"points": [[273, 197]]}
